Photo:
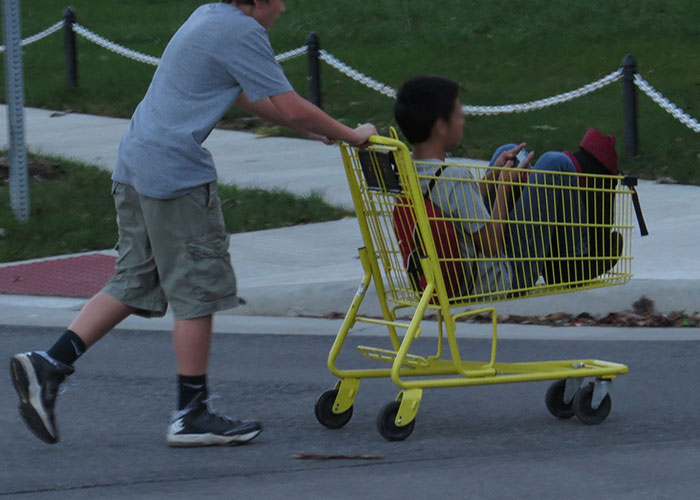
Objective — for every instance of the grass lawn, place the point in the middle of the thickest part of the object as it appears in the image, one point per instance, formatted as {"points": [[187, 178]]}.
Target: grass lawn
{"points": [[74, 211], [502, 51]]}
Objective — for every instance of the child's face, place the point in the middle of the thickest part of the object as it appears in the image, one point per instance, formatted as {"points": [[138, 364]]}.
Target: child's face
{"points": [[455, 127]]}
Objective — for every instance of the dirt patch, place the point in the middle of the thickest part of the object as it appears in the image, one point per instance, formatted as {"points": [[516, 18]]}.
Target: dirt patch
{"points": [[642, 315], [38, 169], [677, 319]]}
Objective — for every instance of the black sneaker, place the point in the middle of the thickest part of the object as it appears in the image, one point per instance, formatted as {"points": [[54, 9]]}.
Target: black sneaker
{"points": [[36, 380], [199, 425]]}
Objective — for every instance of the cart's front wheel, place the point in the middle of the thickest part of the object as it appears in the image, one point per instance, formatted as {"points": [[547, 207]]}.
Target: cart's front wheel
{"points": [[583, 406], [555, 401], [388, 428], [324, 411]]}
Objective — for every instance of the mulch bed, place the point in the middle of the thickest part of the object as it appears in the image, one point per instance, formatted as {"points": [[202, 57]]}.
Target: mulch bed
{"points": [[642, 315]]}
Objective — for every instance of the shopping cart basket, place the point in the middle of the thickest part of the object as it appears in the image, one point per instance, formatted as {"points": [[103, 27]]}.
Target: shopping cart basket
{"points": [[423, 257]]}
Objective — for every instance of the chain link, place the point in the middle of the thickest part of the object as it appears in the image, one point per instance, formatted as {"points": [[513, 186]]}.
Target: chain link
{"points": [[388, 91], [154, 61], [291, 54], [356, 75], [39, 36], [667, 105], [476, 110], [114, 47], [547, 102]]}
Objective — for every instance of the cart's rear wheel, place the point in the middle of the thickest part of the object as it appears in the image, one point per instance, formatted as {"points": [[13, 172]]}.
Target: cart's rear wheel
{"points": [[324, 411], [555, 401], [386, 426], [583, 406]]}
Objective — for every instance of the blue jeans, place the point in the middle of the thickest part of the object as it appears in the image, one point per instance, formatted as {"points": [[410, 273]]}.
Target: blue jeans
{"points": [[541, 203]]}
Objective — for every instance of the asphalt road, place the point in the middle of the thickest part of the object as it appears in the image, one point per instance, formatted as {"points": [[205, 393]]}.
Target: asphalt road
{"points": [[480, 443]]}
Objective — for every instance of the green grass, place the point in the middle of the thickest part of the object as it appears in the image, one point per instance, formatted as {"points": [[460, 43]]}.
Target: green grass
{"points": [[502, 51], [75, 213]]}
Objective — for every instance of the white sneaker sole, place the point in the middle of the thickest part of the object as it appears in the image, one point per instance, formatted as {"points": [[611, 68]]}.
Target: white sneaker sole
{"points": [[192, 440], [29, 392]]}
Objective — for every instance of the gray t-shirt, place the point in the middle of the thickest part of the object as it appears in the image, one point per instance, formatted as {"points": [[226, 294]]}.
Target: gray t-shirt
{"points": [[215, 55], [457, 195]]}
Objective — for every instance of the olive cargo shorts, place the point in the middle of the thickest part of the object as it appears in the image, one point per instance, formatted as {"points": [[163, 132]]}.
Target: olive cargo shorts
{"points": [[172, 252]]}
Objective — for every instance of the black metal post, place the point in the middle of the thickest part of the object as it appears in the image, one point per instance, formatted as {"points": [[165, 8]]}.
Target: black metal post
{"points": [[70, 49], [629, 91], [314, 75]]}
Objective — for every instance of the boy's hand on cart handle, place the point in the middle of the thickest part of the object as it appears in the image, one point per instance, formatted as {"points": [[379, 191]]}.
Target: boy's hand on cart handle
{"points": [[362, 135], [509, 155]]}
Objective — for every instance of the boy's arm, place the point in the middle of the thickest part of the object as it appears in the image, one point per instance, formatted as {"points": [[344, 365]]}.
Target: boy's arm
{"points": [[486, 187], [305, 116], [489, 239], [267, 111]]}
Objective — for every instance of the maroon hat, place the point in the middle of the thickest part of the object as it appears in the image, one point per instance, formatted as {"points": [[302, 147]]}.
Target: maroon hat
{"points": [[602, 147]]}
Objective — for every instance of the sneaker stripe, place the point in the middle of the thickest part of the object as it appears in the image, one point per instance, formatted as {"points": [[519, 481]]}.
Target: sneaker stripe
{"points": [[34, 393]]}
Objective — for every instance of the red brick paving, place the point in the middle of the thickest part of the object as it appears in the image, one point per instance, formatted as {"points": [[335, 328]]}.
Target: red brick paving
{"points": [[81, 276]]}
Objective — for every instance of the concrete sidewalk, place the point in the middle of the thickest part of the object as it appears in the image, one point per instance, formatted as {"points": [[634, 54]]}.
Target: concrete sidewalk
{"points": [[243, 158], [314, 270]]}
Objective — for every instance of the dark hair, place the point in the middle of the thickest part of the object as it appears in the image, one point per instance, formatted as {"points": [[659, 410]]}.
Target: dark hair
{"points": [[242, 2], [421, 102]]}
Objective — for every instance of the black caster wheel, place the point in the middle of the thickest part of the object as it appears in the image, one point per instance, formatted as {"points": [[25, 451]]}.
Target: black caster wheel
{"points": [[324, 411], [386, 426], [555, 401], [583, 409]]}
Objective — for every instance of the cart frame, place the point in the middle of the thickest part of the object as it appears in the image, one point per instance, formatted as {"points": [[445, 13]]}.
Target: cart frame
{"points": [[411, 373]]}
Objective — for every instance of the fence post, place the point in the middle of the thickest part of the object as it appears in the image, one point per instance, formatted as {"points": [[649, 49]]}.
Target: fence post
{"points": [[70, 49], [314, 75], [629, 91]]}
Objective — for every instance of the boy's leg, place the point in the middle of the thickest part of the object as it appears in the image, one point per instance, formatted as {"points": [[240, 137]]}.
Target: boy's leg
{"points": [[99, 316], [546, 198], [37, 375], [192, 341], [195, 423], [190, 247]]}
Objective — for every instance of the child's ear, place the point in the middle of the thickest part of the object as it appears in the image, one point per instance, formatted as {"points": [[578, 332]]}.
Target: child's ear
{"points": [[440, 128]]}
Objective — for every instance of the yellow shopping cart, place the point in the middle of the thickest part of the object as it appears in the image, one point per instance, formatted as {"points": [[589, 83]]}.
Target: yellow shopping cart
{"points": [[565, 232]]}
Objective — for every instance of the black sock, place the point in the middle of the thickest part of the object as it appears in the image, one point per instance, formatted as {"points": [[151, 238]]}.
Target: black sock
{"points": [[190, 387], [68, 348]]}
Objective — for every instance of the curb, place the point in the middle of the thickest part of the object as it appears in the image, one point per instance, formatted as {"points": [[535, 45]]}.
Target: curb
{"points": [[334, 297]]}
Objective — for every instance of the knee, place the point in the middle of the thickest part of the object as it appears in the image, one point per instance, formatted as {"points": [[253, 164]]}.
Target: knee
{"points": [[554, 161]]}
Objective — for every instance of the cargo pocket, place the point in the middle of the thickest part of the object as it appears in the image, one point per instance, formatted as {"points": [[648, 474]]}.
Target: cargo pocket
{"points": [[210, 273]]}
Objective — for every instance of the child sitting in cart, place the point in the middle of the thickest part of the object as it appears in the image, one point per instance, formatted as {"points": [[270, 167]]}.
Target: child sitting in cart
{"points": [[507, 254]]}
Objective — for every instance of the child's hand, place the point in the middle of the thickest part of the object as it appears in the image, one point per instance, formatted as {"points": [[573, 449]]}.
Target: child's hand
{"points": [[519, 174], [509, 155], [362, 135]]}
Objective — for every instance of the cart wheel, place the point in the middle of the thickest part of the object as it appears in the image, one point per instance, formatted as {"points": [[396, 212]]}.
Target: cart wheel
{"points": [[386, 426], [583, 409], [555, 401], [324, 411]]}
